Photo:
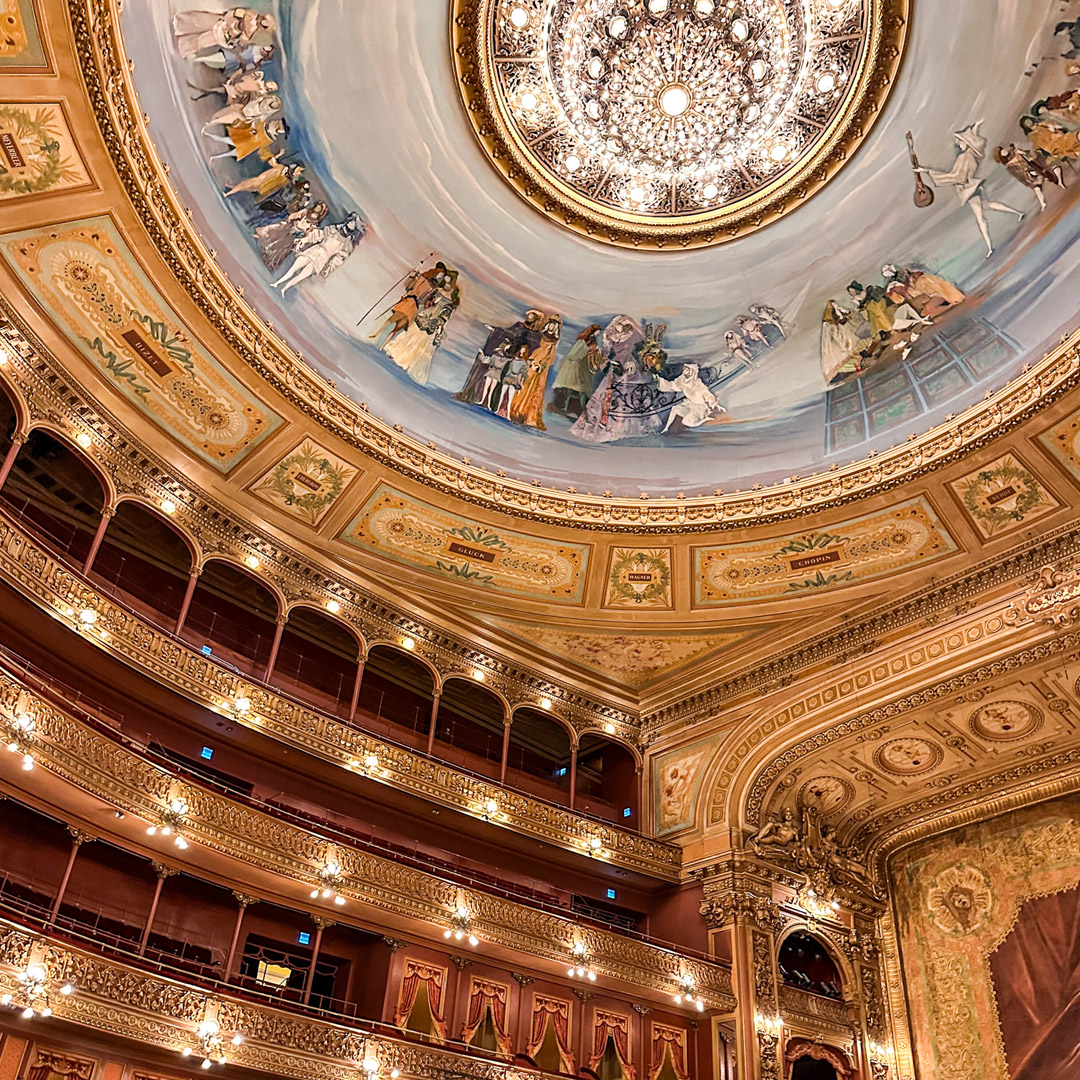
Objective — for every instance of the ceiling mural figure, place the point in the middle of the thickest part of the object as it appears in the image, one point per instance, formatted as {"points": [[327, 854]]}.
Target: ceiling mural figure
{"points": [[360, 217]]}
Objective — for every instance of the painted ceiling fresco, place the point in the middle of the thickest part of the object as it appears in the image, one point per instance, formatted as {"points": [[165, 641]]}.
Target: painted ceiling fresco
{"points": [[325, 153]]}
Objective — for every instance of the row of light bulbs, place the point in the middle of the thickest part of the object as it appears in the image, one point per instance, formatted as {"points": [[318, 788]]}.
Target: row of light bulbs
{"points": [[32, 996]]}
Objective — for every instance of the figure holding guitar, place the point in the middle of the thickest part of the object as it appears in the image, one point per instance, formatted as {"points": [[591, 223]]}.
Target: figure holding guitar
{"points": [[970, 151]]}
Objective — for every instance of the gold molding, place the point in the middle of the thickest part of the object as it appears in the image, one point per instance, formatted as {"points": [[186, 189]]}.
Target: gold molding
{"points": [[110, 87], [864, 100], [42, 578], [118, 1000], [100, 765]]}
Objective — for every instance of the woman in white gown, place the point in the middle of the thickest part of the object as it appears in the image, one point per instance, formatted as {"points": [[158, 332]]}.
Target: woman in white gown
{"points": [[841, 345]]}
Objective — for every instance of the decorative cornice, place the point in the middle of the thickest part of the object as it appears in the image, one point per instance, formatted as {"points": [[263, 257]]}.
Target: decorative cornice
{"points": [[55, 588], [52, 397], [117, 1000], [99, 764], [106, 70]]}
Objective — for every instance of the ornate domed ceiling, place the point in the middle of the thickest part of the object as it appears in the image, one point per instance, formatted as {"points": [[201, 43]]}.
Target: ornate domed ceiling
{"points": [[326, 156]]}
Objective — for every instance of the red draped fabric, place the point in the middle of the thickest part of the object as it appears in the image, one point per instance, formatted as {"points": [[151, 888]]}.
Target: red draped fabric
{"points": [[800, 1048], [554, 1011], [434, 980], [615, 1026], [486, 996], [1036, 975], [668, 1040], [47, 1065]]}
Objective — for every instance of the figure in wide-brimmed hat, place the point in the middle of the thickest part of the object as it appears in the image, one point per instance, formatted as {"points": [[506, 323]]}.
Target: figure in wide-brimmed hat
{"points": [[971, 149]]}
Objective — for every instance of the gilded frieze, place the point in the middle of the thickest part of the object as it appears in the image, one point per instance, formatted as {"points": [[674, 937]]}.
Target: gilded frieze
{"points": [[865, 548], [1002, 496], [467, 551], [38, 153], [85, 276], [306, 483], [96, 763], [40, 576]]}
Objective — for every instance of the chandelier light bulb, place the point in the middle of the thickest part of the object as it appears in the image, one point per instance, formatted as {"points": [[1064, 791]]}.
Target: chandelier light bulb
{"points": [[27, 762], [27, 1013], [206, 1063], [237, 1039], [5, 999], [84, 440], [371, 762], [333, 606], [88, 616], [186, 1052], [314, 894], [151, 830], [251, 562], [242, 704], [408, 644], [67, 989], [340, 901], [181, 843], [168, 506]]}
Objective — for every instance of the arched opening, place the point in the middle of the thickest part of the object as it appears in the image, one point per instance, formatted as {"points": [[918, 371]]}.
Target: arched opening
{"points": [[808, 1068], [56, 495], [145, 561], [469, 731], [397, 693], [607, 780], [806, 964], [234, 616], [9, 420], [317, 660], [539, 757]]}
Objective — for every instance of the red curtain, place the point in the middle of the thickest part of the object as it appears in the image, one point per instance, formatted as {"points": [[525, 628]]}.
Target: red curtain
{"points": [[667, 1040], [48, 1065], [434, 979], [483, 996], [615, 1026], [555, 1011]]}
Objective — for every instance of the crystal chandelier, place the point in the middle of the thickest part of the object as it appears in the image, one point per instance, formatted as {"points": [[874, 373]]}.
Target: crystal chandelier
{"points": [[32, 995], [672, 113]]}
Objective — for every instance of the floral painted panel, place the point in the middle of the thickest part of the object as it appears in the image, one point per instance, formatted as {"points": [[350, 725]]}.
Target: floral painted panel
{"points": [[676, 784], [881, 543], [1002, 496], [409, 531], [86, 277], [306, 482], [639, 578], [37, 151]]}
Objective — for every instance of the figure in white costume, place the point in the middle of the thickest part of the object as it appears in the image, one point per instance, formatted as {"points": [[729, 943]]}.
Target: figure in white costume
{"points": [[971, 149], [699, 403]]}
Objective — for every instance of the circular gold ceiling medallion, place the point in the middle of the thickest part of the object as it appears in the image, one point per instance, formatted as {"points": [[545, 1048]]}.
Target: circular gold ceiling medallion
{"points": [[673, 123]]}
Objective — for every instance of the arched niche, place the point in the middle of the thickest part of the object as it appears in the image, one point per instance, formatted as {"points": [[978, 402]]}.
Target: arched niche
{"points": [[146, 561], [539, 757], [396, 694], [56, 495], [470, 726], [808, 1060], [806, 963], [608, 781], [235, 615], [317, 660]]}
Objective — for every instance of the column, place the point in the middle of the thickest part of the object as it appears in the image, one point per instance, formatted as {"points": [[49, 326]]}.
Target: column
{"points": [[162, 872], [17, 441], [245, 902], [321, 924], [78, 838], [434, 721], [507, 724], [103, 524], [524, 1011], [573, 772], [356, 687], [281, 621], [192, 582]]}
